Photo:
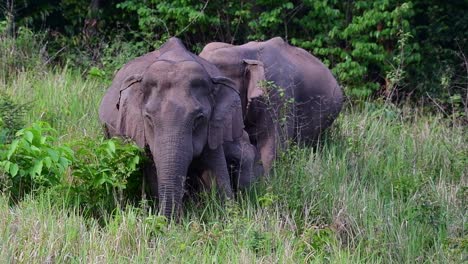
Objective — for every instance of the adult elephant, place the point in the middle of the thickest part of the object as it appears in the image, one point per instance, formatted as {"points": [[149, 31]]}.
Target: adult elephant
{"points": [[183, 111], [286, 93]]}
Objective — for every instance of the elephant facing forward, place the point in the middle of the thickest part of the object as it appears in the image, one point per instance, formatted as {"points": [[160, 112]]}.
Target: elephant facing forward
{"points": [[180, 108], [286, 93]]}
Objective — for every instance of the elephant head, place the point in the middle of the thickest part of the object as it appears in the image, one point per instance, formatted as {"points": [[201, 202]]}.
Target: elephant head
{"points": [[181, 109]]}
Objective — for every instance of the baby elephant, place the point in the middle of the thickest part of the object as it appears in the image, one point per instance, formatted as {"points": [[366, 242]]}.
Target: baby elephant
{"points": [[187, 115]]}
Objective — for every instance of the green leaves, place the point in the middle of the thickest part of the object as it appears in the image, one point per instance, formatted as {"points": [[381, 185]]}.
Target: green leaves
{"points": [[13, 169], [9, 167], [111, 147], [33, 159], [12, 148], [28, 135], [96, 72], [103, 168], [94, 171], [357, 39]]}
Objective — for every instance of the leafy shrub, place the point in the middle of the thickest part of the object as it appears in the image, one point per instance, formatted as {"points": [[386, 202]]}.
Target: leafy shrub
{"points": [[262, 243], [102, 174], [361, 46], [103, 170], [159, 20], [33, 160]]}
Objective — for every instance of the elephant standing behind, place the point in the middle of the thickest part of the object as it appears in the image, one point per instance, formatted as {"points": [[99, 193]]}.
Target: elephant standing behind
{"points": [[180, 108], [286, 93]]}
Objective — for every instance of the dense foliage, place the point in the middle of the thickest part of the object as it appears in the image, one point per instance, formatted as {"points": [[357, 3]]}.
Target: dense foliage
{"points": [[93, 173], [382, 48]]}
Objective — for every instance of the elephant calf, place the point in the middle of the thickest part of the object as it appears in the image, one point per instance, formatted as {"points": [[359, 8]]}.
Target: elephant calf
{"points": [[186, 114]]}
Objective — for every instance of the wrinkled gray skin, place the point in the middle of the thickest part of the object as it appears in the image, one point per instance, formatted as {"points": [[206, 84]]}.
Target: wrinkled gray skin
{"points": [[310, 101], [181, 109]]}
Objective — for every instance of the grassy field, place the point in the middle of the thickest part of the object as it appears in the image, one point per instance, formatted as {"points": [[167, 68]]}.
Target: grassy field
{"points": [[387, 185]]}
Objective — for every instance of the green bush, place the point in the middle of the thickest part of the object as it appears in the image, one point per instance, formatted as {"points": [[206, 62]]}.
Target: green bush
{"points": [[105, 173], [358, 39], [98, 174], [116, 53], [32, 160]]}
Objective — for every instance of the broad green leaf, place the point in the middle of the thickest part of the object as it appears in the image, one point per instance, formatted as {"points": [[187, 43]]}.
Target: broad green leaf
{"points": [[12, 149], [64, 162], [36, 149], [6, 165], [53, 154], [29, 136], [36, 132], [20, 133], [37, 169], [14, 169], [100, 181], [136, 160], [111, 145], [109, 152], [48, 162]]}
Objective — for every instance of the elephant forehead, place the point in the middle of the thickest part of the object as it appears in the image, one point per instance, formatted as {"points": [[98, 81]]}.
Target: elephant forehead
{"points": [[175, 72], [181, 67], [191, 69]]}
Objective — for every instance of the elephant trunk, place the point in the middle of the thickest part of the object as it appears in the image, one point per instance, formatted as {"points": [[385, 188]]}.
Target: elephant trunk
{"points": [[172, 156]]}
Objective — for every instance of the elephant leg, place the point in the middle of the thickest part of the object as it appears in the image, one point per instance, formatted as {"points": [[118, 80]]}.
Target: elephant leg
{"points": [[215, 162]]}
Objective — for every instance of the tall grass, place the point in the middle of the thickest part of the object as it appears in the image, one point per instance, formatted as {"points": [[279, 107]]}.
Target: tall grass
{"points": [[20, 51], [61, 97]]}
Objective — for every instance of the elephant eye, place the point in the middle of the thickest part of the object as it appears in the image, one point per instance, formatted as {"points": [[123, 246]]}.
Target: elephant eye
{"points": [[198, 120]]}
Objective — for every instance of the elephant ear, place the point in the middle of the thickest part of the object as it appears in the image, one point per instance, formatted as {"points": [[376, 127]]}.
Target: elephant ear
{"points": [[130, 121], [253, 76], [226, 122]]}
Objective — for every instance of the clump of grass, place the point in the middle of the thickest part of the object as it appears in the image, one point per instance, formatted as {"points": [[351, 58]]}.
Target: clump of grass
{"points": [[63, 98], [11, 117]]}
